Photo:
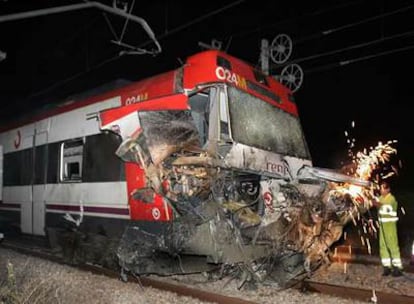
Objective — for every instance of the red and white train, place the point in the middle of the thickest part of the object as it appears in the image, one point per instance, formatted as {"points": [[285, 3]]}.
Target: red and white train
{"points": [[184, 159]]}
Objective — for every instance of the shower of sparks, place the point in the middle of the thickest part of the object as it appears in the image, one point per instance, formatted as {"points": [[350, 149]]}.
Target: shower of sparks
{"points": [[374, 165], [367, 163], [350, 141], [378, 156]]}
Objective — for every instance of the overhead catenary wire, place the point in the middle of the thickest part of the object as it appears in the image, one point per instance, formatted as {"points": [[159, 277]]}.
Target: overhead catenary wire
{"points": [[290, 20], [353, 24], [356, 46], [86, 5], [348, 48], [119, 39], [126, 21], [347, 26], [358, 59], [118, 55], [203, 17], [167, 33], [73, 77], [194, 21]]}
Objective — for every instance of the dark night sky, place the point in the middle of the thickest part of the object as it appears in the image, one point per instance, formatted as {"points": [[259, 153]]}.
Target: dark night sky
{"points": [[51, 57]]}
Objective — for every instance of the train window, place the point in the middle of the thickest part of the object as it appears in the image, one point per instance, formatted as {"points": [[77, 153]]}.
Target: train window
{"points": [[100, 163], [200, 108], [71, 155], [224, 119], [72, 170]]}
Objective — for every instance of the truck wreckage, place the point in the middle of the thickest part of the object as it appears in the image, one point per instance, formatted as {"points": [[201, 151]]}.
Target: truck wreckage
{"points": [[228, 161]]}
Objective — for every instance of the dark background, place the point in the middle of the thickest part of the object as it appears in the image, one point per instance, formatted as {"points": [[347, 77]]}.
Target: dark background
{"points": [[366, 80]]}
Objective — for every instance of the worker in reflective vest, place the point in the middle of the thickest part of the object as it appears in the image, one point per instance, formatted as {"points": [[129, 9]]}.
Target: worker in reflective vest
{"points": [[388, 237]]}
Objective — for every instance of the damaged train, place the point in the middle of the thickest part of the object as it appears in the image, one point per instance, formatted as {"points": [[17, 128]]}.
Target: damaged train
{"points": [[202, 168]]}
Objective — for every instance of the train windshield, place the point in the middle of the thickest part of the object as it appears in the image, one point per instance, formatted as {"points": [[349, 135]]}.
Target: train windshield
{"points": [[257, 123]]}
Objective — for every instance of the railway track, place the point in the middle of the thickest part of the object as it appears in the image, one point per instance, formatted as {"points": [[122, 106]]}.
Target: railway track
{"points": [[347, 254], [357, 294]]}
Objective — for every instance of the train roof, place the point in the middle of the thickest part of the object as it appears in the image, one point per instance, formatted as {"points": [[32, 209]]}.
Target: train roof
{"points": [[199, 68]]}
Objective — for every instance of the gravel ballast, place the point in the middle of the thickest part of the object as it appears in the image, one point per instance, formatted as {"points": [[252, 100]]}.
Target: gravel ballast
{"points": [[41, 281]]}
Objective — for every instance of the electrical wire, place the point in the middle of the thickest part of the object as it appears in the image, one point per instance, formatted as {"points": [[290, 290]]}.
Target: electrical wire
{"points": [[291, 20], [352, 47], [326, 32], [73, 77], [353, 24], [358, 59], [117, 56], [356, 46], [127, 20], [194, 21]]}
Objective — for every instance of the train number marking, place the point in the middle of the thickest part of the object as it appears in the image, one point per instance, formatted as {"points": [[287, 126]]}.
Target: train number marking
{"points": [[136, 98], [229, 76]]}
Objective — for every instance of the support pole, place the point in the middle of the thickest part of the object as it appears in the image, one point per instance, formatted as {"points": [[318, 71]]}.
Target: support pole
{"points": [[264, 56]]}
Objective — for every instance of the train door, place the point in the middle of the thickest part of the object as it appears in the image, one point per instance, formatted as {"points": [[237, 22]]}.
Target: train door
{"points": [[24, 195], [40, 156]]}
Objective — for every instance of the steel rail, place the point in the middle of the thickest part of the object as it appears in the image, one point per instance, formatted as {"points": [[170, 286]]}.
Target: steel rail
{"points": [[350, 293], [356, 293]]}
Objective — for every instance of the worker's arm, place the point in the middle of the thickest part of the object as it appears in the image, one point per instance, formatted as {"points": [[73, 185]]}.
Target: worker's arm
{"points": [[375, 202]]}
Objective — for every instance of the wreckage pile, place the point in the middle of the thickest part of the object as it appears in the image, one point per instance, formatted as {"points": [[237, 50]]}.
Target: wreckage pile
{"points": [[222, 215]]}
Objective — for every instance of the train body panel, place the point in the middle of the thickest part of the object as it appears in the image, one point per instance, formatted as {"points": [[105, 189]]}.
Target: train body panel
{"points": [[40, 156]]}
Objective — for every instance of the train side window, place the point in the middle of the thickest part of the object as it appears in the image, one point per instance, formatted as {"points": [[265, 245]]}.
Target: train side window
{"points": [[71, 156]]}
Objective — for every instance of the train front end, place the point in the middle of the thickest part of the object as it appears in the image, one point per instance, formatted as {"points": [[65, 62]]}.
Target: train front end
{"points": [[227, 158]]}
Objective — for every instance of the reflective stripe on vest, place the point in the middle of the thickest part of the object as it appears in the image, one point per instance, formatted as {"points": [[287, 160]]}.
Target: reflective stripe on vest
{"points": [[388, 219], [387, 210]]}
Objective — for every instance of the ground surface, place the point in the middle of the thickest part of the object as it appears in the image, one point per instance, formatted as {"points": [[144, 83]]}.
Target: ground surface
{"points": [[39, 281]]}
